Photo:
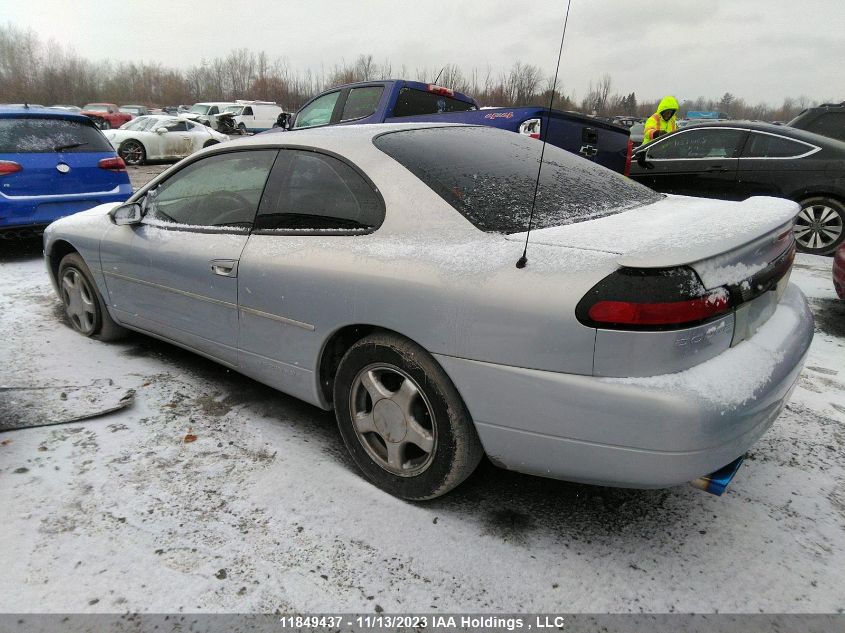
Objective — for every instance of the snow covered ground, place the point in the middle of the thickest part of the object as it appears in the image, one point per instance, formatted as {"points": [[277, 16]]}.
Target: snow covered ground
{"points": [[264, 511]]}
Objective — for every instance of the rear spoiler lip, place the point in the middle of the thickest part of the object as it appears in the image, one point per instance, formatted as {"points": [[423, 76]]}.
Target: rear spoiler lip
{"points": [[686, 256]]}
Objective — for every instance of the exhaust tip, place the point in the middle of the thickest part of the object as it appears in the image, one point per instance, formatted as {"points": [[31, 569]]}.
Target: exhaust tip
{"points": [[717, 482]]}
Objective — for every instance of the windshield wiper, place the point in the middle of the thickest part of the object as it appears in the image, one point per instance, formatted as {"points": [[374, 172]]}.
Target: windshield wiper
{"points": [[59, 148]]}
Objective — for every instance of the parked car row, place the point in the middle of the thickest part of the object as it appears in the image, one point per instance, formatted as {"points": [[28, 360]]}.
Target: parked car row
{"points": [[381, 234]]}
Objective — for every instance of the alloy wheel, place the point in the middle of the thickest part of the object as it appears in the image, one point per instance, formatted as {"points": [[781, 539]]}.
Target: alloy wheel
{"points": [[818, 226], [393, 419], [132, 153], [79, 301]]}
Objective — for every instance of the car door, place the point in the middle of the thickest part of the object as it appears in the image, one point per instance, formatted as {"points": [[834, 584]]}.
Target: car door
{"points": [[176, 273], [774, 165], [291, 292], [695, 162], [176, 140]]}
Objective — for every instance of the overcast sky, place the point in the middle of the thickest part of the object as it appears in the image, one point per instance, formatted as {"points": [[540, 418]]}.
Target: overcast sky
{"points": [[761, 50]]}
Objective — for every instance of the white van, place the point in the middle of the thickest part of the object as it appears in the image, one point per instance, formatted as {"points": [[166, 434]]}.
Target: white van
{"points": [[254, 116]]}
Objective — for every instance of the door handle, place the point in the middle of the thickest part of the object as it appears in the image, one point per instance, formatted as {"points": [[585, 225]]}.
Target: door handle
{"points": [[717, 169], [225, 267]]}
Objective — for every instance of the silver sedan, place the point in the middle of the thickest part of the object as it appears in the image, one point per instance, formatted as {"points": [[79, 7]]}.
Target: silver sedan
{"points": [[644, 340]]}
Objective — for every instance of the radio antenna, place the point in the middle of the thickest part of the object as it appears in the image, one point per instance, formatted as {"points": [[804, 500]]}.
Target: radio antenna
{"points": [[522, 261], [438, 74]]}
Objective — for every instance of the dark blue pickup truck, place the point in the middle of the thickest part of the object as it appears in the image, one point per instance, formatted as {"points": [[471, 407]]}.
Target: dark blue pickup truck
{"points": [[396, 101]]}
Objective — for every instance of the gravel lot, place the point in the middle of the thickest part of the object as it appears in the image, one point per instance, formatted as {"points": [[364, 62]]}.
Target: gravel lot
{"points": [[264, 511], [139, 176]]}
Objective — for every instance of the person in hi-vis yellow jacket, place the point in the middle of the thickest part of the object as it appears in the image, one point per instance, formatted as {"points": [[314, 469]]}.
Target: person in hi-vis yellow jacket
{"points": [[663, 121]]}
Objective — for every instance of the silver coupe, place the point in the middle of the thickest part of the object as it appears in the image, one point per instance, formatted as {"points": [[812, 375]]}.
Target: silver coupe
{"points": [[648, 340]]}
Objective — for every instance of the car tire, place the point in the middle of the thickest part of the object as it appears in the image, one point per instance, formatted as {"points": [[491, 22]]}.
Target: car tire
{"points": [[210, 143], [241, 129], [414, 438], [820, 225], [83, 304], [132, 152]]}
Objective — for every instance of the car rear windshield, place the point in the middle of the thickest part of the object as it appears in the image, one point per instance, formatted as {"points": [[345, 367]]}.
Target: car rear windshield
{"points": [[41, 134], [412, 102], [489, 176]]}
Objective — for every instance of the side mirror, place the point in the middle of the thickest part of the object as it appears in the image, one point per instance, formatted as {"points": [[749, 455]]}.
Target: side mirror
{"points": [[642, 161], [126, 214], [161, 130]]}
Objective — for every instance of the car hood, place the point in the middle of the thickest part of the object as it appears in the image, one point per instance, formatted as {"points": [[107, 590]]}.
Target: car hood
{"points": [[674, 231]]}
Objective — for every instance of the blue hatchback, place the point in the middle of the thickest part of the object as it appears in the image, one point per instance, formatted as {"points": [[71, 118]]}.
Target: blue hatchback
{"points": [[54, 163]]}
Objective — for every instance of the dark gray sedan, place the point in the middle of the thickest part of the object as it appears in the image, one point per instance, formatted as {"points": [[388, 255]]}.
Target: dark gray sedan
{"points": [[734, 160], [649, 340]]}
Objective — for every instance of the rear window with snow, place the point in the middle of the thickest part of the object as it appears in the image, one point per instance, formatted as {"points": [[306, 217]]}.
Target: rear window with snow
{"points": [[489, 176], [43, 135]]}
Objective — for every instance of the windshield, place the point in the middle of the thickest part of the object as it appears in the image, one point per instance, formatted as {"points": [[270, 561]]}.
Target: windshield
{"points": [[96, 107], [236, 110], [45, 135], [200, 109], [489, 175], [139, 124], [130, 110]]}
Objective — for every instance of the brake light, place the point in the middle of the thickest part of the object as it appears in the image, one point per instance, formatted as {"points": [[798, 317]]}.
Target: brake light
{"points": [[630, 154], [112, 164], [531, 127], [672, 313], [440, 90], [9, 167], [651, 299]]}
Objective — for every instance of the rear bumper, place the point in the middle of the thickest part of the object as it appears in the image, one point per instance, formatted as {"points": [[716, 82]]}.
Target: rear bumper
{"points": [[640, 432], [39, 211]]}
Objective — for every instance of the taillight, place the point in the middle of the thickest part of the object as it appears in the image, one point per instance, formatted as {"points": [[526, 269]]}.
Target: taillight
{"points": [[112, 164], [531, 127], [9, 167], [664, 299], [440, 90], [628, 157]]}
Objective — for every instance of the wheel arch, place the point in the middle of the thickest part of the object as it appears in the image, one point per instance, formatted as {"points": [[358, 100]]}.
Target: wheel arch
{"points": [[801, 195], [333, 350], [58, 250]]}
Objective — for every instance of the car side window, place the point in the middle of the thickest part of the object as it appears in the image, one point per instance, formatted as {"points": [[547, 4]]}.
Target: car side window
{"points": [[175, 126], [770, 146], [315, 192], [701, 143], [361, 102], [318, 112], [247, 111], [213, 110], [218, 191]]}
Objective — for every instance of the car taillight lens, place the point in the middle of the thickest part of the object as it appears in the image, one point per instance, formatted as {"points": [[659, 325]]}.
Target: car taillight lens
{"points": [[9, 167], [531, 127], [668, 313], [661, 299], [112, 164], [628, 157]]}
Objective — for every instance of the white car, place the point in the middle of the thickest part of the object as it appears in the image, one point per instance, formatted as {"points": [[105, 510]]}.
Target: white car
{"points": [[161, 138], [207, 113]]}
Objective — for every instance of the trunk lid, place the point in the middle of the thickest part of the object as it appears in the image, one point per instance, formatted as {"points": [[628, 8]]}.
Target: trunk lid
{"points": [[724, 242]]}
